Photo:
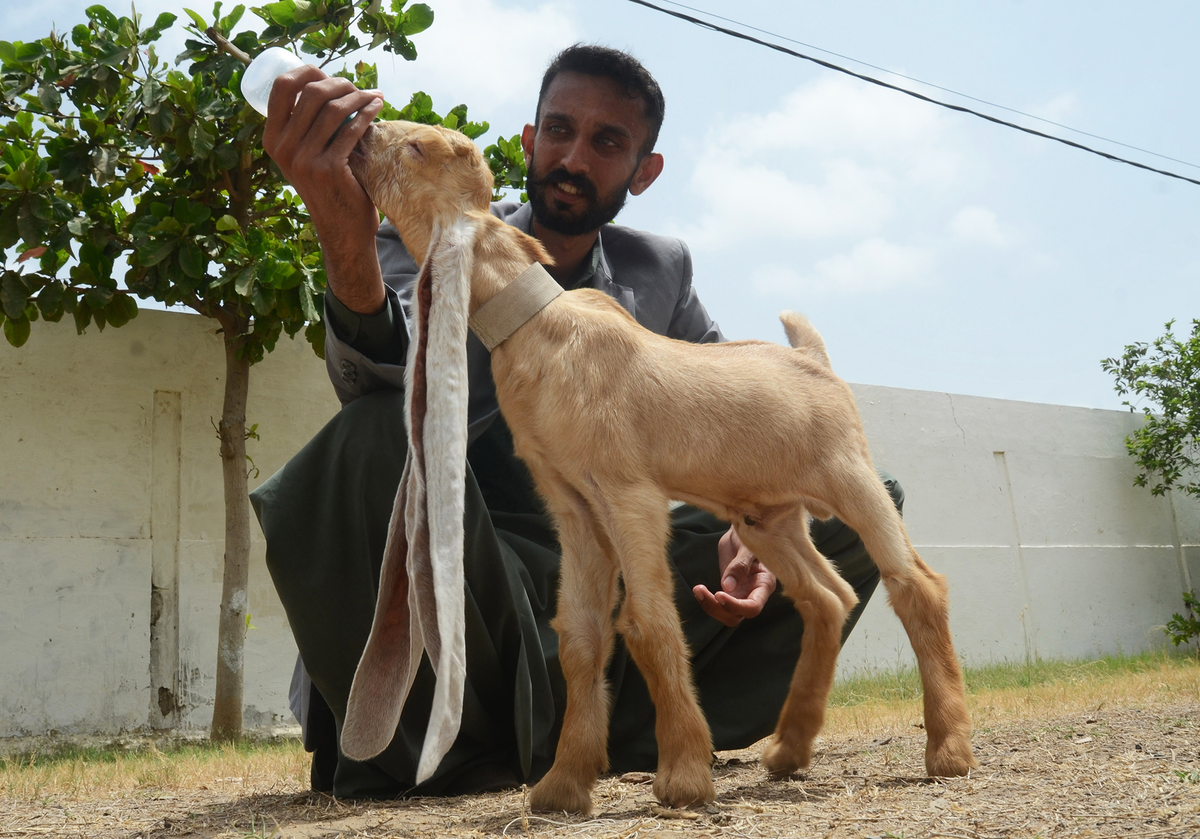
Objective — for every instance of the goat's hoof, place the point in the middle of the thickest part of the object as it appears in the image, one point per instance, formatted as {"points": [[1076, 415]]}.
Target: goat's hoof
{"points": [[783, 759], [950, 758], [558, 793], [684, 783]]}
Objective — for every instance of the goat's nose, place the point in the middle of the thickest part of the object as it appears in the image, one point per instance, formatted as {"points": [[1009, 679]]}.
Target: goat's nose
{"points": [[364, 142]]}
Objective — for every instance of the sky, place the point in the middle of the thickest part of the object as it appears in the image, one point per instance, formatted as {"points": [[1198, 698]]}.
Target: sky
{"points": [[932, 249]]}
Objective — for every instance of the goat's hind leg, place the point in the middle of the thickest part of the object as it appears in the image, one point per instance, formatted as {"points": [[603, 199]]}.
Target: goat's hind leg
{"points": [[586, 599], [918, 595], [823, 600]]}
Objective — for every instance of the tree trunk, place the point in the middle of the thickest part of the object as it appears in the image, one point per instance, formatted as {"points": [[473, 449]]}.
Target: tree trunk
{"points": [[231, 631]]}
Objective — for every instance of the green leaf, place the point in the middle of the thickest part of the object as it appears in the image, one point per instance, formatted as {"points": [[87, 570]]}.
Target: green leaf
{"points": [[200, 23], [231, 19], [102, 16], [98, 297], [8, 52], [307, 306], [418, 18], [314, 333], [192, 260], [244, 281], [121, 309], [227, 222], [14, 294], [49, 96], [9, 233], [157, 252], [16, 331], [163, 21], [202, 139], [50, 300], [29, 52], [167, 225], [104, 165], [262, 299], [403, 47], [226, 157], [282, 13]]}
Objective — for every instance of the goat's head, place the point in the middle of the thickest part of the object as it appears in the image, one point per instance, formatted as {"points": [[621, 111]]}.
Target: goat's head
{"points": [[421, 175]]}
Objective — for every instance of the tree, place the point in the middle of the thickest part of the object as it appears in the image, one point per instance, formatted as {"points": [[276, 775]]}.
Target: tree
{"points": [[1166, 373], [110, 154]]}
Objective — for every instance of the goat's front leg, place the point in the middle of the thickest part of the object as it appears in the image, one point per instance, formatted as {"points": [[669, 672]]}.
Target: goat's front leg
{"points": [[637, 522], [587, 594]]}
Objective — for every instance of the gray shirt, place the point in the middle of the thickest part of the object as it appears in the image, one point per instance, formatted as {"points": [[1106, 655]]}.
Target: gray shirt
{"points": [[649, 275]]}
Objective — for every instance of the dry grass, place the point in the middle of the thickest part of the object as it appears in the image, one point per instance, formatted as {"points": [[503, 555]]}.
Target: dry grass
{"points": [[1109, 748]]}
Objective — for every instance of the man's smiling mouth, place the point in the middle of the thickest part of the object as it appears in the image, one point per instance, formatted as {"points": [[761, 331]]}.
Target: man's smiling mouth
{"points": [[569, 188]]}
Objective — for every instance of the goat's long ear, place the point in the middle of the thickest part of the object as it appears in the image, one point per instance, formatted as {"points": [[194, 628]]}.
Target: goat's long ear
{"points": [[443, 616], [389, 662], [422, 599], [392, 654]]}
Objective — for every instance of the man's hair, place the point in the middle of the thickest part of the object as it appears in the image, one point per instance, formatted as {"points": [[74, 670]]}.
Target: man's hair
{"points": [[634, 80]]}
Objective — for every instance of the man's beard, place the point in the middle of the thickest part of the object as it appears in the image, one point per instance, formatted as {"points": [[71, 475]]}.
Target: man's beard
{"points": [[558, 217]]}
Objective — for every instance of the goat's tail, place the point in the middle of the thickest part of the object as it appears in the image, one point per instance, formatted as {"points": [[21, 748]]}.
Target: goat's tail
{"points": [[802, 335]]}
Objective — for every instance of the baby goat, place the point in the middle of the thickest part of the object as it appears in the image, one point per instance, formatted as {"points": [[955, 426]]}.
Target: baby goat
{"points": [[613, 422]]}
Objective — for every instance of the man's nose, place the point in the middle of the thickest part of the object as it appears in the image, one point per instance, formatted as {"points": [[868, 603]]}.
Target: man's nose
{"points": [[575, 158]]}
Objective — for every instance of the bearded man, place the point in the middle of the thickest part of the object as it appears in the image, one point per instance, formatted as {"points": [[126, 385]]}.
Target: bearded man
{"points": [[325, 514]]}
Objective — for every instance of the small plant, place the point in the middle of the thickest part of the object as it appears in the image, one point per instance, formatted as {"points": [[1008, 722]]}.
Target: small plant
{"points": [[261, 833], [1192, 777], [1164, 378], [1181, 629]]}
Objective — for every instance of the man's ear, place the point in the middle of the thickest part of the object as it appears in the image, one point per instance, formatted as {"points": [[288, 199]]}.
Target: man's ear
{"points": [[527, 135], [648, 170]]}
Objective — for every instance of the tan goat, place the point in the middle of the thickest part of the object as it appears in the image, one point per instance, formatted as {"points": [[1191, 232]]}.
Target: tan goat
{"points": [[613, 422]]}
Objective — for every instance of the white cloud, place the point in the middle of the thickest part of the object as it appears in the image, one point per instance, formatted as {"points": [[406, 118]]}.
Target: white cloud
{"points": [[872, 265], [459, 56], [837, 159], [978, 226]]}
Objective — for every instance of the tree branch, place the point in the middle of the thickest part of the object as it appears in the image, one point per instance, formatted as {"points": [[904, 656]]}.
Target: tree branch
{"points": [[224, 45]]}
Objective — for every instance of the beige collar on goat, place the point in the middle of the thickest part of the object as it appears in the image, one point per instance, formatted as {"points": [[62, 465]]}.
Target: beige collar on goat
{"points": [[515, 304]]}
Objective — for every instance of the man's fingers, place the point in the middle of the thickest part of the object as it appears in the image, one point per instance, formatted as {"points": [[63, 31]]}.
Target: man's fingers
{"points": [[742, 607], [322, 106], [739, 573], [708, 602], [283, 96], [351, 132]]}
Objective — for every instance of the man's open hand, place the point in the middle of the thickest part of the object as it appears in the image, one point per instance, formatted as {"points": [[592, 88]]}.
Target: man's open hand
{"points": [[745, 583]]}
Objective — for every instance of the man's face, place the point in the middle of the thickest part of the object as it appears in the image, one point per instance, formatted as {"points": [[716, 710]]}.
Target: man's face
{"points": [[584, 156]]}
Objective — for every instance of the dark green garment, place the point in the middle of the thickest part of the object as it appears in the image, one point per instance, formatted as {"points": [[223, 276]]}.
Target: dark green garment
{"points": [[325, 516]]}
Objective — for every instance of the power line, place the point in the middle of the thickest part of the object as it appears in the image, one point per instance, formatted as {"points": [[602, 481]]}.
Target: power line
{"points": [[931, 84], [960, 108]]}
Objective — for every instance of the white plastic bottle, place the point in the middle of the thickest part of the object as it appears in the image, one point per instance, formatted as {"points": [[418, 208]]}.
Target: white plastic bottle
{"points": [[262, 72]]}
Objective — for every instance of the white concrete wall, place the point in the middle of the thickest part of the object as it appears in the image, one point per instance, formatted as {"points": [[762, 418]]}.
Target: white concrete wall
{"points": [[1031, 512], [1029, 509], [80, 526]]}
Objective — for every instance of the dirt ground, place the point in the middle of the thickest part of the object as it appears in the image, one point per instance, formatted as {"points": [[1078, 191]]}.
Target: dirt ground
{"points": [[1129, 772]]}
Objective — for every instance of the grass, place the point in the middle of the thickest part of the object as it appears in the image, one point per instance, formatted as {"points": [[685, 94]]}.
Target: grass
{"points": [[871, 706], [64, 771], [1000, 692], [905, 684]]}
